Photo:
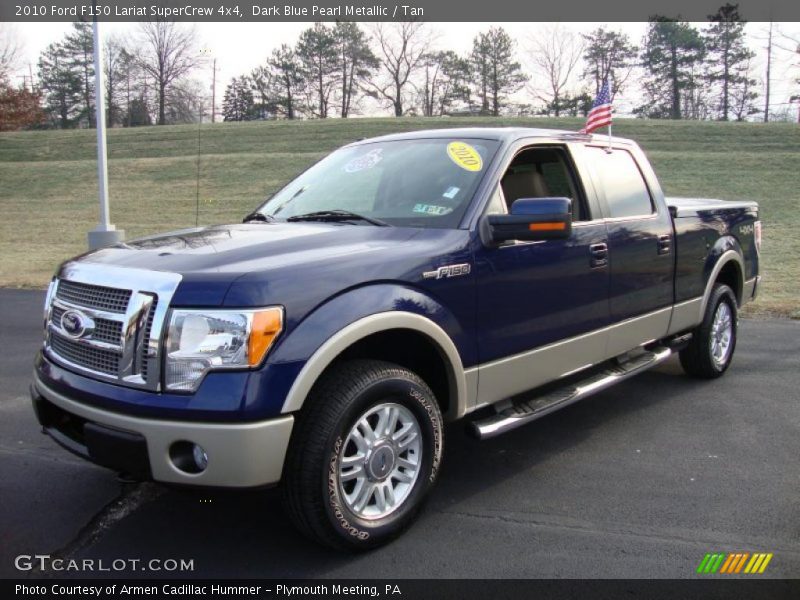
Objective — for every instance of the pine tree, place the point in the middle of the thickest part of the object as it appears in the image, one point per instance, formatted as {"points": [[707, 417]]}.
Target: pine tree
{"points": [[317, 53], [79, 50], [357, 62], [728, 58], [60, 87], [238, 104], [608, 55], [672, 50], [498, 74], [280, 81]]}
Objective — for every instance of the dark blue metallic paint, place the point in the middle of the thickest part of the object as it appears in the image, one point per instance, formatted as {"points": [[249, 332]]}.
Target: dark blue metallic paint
{"points": [[328, 275]]}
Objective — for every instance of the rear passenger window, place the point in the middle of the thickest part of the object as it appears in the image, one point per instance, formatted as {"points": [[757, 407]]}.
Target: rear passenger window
{"points": [[626, 192]]}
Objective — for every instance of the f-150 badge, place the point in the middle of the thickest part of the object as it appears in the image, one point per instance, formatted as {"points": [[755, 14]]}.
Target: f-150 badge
{"points": [[448, 271]]}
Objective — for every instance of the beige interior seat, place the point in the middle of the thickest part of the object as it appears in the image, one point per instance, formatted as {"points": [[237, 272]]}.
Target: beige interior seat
{"points": [[524, 184]]}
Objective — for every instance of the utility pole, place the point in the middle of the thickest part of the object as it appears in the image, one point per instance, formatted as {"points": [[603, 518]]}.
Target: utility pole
{"points": [[207, 52], [214, 91], [769, 68], [105, 234]]}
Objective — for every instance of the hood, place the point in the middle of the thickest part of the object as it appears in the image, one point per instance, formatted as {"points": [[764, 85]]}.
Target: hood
{"points": [[237, 249], [304, 256]]}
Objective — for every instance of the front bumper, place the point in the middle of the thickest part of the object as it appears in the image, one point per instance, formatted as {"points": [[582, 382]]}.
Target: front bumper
{"points": [[240, 455]]}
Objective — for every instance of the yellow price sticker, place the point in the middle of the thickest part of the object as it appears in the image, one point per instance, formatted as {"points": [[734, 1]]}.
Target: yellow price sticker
{"points": [[465, 156]]}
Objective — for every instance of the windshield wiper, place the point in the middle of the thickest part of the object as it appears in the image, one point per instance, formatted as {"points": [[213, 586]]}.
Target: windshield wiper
{"points": [[257, 216], [337, 215]]}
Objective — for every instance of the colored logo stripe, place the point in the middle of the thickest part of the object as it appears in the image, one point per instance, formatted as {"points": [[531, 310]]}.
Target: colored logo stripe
{"points": [[734, 562]]}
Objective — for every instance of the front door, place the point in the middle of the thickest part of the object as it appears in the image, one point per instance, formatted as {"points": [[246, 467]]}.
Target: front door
{"points": [[541, 304]]}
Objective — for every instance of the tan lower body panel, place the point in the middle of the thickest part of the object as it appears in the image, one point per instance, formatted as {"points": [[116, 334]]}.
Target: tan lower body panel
{"points": [[239, 455], [507, 377]]}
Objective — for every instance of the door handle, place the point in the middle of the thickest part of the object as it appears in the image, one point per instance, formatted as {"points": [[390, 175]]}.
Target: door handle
{"points": [[599, 255], [664, 244]]}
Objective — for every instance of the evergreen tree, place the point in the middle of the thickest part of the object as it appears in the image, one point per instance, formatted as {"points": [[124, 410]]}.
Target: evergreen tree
{"points": [[444, 82], [608, 55], [728, 58], [79, 50], [138, 114], [283, 75], [60, 87], [672, 49], [238, 104], [317, 52], [357, 62], [497, 73]]}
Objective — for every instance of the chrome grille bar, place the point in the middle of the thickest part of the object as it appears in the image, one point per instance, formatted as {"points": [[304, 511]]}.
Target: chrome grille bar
{"points": [[118, 342]]}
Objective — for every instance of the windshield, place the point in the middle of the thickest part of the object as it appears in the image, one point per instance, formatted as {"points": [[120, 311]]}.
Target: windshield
{"points": [[409, 183]]}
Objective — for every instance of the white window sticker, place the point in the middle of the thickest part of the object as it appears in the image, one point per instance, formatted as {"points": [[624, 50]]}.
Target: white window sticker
{"points": [[451, 192], [365, 161]]}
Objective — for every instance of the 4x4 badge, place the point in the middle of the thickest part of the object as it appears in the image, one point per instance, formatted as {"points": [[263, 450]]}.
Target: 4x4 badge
{"points": [[448, 271]]}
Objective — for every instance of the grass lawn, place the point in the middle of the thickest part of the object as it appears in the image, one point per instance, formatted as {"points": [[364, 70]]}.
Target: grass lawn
{"points": [[48, 183]]}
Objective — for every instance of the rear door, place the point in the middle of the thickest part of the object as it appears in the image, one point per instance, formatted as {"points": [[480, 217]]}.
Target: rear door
{"points": [[640, 247]]}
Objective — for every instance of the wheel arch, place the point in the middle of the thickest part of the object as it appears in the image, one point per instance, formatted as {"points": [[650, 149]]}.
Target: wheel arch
{"points": [[352, 339], [728, 269]]}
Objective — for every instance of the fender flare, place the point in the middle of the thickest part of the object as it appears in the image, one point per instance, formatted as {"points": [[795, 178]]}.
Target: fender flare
{"points": [[726, 257], [369, 325]]}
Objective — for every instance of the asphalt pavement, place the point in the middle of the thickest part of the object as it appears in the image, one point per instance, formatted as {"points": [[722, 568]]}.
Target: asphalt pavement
{"points": [[640, 481]]}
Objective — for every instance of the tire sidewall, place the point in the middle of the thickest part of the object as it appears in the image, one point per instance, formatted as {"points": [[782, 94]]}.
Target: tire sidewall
{"points": [[363, 533], [722, 294]]}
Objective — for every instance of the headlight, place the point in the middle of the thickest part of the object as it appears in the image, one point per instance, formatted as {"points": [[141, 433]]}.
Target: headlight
{"points": [[199, 341]]}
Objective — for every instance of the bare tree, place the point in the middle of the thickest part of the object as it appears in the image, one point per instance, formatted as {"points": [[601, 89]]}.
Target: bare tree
{"points": [[555, 53], [10, 50], [401, 51], [168, 53]]}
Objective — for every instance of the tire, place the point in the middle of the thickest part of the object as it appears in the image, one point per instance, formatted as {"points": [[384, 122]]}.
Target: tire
{"points": [[710, 351], [327, 462]]}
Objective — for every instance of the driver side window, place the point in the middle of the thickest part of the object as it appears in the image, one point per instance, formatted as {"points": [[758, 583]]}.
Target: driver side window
{"points": [[541, 172]]}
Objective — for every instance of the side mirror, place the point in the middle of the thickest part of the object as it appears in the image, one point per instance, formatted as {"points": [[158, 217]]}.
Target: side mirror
{"points": [[531, 219]]}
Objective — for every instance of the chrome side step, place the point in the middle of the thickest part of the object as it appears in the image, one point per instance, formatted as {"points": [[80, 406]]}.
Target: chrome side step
{"points": [[516, 414]]}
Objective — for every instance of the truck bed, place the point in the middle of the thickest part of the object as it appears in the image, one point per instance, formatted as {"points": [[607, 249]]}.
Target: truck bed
{"points": [[690, 207]]}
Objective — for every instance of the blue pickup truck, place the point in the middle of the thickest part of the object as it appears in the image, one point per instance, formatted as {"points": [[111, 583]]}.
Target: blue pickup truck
{"points": [[493, 275]]}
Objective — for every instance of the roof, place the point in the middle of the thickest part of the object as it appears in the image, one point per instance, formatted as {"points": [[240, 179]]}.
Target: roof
{"points": [[503, 134]]}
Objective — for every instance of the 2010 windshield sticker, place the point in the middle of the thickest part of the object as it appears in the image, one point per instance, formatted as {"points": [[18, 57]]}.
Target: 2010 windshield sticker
{"points": [[465, 156], [366, 161]]}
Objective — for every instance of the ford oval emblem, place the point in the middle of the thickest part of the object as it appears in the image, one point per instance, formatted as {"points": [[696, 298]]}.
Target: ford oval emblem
{"points": [[74, 323]]}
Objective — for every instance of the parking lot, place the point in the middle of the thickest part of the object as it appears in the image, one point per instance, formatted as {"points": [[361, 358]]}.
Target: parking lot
{"points": [[641, 480]]}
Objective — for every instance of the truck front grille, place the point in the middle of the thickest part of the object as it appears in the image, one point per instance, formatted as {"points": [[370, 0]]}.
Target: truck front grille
{"points": [[94, 359], [105, 330], [94, 296], [116, 317]]}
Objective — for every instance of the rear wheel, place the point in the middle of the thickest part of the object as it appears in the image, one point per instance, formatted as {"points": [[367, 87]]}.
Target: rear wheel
{"points": [[709, 353], [365, 452]]}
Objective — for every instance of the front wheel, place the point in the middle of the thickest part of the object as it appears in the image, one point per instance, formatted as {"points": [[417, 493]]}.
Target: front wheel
{"points": [[709, 353], [365, 452]]}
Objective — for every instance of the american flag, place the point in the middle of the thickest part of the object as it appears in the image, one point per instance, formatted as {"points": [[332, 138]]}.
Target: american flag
{"points": [[600, 115]]}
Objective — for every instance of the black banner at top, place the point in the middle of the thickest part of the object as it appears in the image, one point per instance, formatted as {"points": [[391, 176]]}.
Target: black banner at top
{"points": [[391, 10]]}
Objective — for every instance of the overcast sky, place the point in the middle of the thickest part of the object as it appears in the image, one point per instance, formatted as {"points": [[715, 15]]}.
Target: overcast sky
{"points": [[240, 47]]}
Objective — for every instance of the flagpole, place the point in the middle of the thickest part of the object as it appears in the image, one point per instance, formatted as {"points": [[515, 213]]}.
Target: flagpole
{"points": [[611, 111]]}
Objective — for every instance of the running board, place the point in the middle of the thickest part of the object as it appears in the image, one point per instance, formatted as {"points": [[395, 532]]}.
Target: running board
{"points": [[524, 411]]}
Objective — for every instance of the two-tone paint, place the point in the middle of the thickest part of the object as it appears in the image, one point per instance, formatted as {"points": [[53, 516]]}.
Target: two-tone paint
{"points": [[520, 315]]}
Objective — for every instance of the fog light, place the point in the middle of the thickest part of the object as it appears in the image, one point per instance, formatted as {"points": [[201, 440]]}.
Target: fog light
{"points": [[200, 458], [188, 457]]}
